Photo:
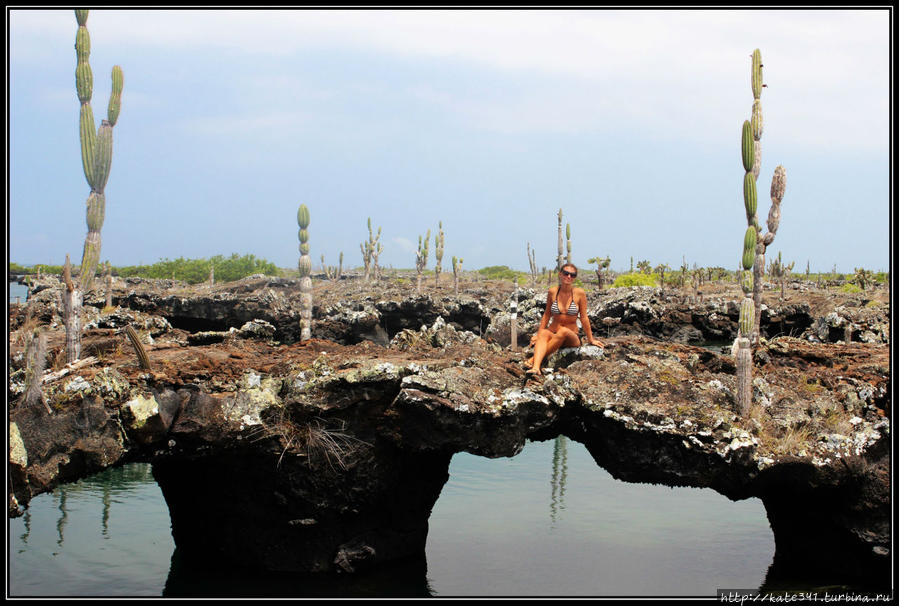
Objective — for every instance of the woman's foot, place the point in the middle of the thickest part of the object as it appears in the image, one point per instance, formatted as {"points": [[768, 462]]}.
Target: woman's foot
{"points": [[534, 372]]}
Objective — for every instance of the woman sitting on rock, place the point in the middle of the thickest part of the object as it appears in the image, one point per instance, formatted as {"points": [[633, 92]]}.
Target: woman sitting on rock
{"points": [[558, 327]]}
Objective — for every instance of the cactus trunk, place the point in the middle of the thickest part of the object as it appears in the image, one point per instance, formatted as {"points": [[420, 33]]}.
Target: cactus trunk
{"points": [[305, 268], [71, 300], [744, 376]]}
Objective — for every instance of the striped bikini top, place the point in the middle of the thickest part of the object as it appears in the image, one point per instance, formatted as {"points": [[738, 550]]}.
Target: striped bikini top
{"points": [[572, 308]]}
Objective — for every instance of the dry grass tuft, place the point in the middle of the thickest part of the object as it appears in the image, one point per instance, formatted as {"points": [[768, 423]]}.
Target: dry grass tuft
{"points": [[317, 440]]}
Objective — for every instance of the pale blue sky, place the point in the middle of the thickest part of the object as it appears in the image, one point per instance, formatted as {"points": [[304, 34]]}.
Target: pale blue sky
{"points": [[489, 121]]}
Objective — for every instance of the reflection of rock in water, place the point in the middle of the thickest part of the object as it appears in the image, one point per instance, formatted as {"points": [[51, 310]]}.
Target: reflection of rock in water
{"points": [[107, 501], [560, 473], [26, 521], [107, 483], [61, 523]]}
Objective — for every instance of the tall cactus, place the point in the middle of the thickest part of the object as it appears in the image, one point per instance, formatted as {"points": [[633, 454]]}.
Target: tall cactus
{"points": [[561, 250], [754, 244], [421, 257], [305, 267], [96, 147], [778, 186], [568, 242], [96, 159], [438, 253]]}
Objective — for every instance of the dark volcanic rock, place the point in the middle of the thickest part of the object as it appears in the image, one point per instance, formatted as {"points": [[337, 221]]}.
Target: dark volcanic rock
{"points": [[329, 454]]}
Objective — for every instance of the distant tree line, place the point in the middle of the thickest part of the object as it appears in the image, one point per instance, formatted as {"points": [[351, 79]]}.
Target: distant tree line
{"points": [[192, 271]]}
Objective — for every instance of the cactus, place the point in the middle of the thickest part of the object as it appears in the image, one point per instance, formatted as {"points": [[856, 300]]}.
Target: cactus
{"points": [[370, 252], [457, 269], [862, 278], [747, 316], [421, 257], [568, 242], [108, 285], [781, 271], [331, 272], [778, 186], [532, 261], [560, 257], [438, 253], [600, 265], [754, 244], [96, 147], [305, 268], [72, 300], [661, 269]]}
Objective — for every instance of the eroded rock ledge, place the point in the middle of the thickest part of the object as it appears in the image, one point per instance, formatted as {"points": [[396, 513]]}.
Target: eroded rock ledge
{"points": [[320, 456]]}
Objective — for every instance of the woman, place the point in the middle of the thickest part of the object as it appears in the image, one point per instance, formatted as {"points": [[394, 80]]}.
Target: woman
{"points": [[558, 327]]}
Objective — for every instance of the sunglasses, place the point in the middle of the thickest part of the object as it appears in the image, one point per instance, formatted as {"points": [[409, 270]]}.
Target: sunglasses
{"points": [[568, 273]]}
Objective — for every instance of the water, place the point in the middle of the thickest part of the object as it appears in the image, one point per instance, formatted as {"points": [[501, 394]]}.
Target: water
{"points": [[17, 290], [547, 522]]}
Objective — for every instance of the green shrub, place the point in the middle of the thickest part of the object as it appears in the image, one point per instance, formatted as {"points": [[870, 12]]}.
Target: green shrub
{"points": [[849, 287], [501, 272], [195, 271], [634, 279]]}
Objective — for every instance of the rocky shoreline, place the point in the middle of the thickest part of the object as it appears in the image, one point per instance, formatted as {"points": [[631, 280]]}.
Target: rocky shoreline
{"points": [[329, 454]]}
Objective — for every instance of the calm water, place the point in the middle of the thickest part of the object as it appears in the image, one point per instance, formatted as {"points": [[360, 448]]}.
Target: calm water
{"points": [[547, 522], [17, 290]]}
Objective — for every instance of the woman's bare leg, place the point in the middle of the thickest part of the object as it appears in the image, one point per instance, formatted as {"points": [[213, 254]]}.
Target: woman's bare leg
{"points": [[548, 344]]}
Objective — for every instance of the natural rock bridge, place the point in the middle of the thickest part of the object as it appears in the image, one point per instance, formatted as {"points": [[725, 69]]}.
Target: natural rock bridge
{"points": [[319, 456]]}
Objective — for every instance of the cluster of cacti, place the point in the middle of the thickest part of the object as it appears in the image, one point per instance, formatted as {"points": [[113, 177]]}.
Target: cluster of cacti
{"points": [[438, 253], [305, 268], [532, 261], [96, 145], [457, 269], [697, 278], [644, 267], [371, 250], [421, 257], [781, 271], [754, 244], [862, 278], [331, 272]]}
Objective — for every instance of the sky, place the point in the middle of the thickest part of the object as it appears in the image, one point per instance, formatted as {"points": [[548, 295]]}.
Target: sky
{"points": [[485, 121]]}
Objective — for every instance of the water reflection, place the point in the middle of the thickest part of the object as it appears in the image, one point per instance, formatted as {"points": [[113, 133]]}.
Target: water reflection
{"points": [[488, 535], [560, 473], [64, 515]]}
